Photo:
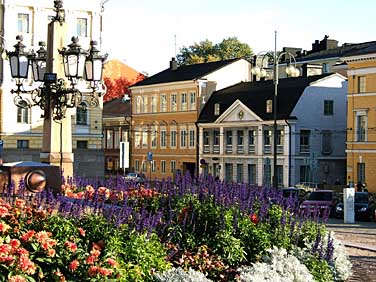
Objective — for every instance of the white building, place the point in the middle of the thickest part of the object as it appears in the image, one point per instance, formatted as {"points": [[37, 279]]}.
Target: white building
{"points": [[236, 130], [21, 129]]}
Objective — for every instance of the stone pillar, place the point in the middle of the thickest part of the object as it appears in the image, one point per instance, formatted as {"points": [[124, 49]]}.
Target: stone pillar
{"points": [[57, 136]]}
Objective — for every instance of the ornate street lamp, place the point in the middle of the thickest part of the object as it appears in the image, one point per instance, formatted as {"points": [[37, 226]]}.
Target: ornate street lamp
{"points": [[291, 70], [58, 72]]}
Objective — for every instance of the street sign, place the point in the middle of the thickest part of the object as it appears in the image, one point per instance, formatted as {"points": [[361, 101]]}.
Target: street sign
{"points": [[150, 156], [124, 154]]}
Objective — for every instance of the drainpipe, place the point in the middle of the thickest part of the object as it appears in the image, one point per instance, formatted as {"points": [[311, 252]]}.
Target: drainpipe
{"points": [[289, 125]]}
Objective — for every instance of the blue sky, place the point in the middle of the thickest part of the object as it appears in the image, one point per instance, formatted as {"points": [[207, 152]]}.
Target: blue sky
{"points": [[142, 33]]}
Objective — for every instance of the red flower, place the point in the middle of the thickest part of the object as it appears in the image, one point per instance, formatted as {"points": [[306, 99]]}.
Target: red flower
{"points": [[15, 244], [254, 218], [91, 260], [74, 265], [71, 246], [26, 237], [105, 271], [5, 249]]}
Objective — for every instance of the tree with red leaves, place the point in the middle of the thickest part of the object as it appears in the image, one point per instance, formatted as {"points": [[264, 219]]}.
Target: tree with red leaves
{"points": [[118, 87]]}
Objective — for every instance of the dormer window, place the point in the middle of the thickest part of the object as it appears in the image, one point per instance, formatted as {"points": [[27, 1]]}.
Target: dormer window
{"points": [[269, 106], [216, 109]]}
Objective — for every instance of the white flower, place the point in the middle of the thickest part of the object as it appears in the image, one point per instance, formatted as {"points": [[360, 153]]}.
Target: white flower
{"points": [[278, 267], [179, 275]]}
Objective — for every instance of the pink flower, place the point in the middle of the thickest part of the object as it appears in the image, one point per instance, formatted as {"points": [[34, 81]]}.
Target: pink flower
{"points": [[20, 203], [26, 237], [71, 246], [74, 265], [91, 260], [5, 249], [26, 265], [105, 271]]}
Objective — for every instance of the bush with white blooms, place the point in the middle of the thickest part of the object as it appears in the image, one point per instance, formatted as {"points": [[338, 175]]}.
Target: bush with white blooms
{"points": [[179, 275]]}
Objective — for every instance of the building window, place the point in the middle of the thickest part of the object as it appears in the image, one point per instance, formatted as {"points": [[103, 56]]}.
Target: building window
{"points": [[215, 137], [183, 104], [229, 137], [240, 137], [154, 137], [174, 106], [163, 103], [117, 138], [153, 104], [23, 23], [138, 104], [137, 139], [267, 174], [267, 137], [217, 109], [361, 84], [82, 114], [137, 165], [183, 138], [144, 166], [81, 144], [173, 166], [206, 138], [173, 138], [153, 166], [328, 107], [163, 138], [163, 166], [326, 142], [192, 101], [251, 137], [325, 68], [82, 27], [191, 138], [239, 173], [109, 139], [144, 104], [252, 174], [229, 172], [304, 141], [23, 115], [361, 167], [269, 106], [280, 135], [22, 144], [361, 128], [304, 173], [144, 138]]}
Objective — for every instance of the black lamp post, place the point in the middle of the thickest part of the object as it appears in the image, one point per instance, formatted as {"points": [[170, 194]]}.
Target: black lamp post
{"points": [[291, 70]]}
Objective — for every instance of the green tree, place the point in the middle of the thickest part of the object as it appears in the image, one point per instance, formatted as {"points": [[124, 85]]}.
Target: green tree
{"points": [[206, 51]]}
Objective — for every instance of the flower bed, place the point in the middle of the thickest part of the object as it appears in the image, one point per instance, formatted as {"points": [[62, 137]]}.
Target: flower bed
{"points": [[192, 228]]}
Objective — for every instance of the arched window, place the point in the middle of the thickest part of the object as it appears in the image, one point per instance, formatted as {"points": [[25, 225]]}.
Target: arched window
{"points": [[23, 115], [82, 114]]}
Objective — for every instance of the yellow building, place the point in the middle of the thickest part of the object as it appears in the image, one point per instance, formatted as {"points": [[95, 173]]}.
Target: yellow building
{"points": [[361, 117], [165, 108]]}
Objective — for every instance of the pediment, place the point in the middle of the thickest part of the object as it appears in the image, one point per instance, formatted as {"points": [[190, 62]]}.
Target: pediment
{"points": [[238, 112]]}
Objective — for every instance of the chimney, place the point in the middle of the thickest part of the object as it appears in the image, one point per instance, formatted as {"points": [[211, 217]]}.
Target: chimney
{"points": [[311, 69], [173, 64]]}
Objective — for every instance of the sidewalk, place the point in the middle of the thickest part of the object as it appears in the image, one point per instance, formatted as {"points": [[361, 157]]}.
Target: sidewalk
{"points": [[359, 240]]}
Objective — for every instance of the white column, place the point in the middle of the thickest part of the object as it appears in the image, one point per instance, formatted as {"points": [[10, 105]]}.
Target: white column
{"points": [[200, 147], [259, 152]]}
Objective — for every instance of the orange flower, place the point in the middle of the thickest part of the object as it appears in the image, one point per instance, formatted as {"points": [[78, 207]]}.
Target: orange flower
{"points": [[91, 260], [3, 211], [26, 237], [92, 271], [105, 271], [20, 203], [111, 262], [254, 218], [4, 227], [74, 265], [82, 232], [17, 278], [26, 265], [96, 253], [42, 236], [51, 253], [71, 246]]}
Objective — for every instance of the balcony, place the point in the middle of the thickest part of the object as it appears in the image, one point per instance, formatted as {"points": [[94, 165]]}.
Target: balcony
{"points": [[206, 149], [240, 149], [216, 149], [304, 149], [229, 148], [251, 149], [267, 149]]}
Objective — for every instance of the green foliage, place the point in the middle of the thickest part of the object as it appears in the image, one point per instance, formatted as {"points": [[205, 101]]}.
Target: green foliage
{"points": [[319, 269], [206, 51]]}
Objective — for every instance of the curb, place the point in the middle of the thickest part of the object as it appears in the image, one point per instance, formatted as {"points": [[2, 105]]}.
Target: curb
{"points": [[360, 246]]}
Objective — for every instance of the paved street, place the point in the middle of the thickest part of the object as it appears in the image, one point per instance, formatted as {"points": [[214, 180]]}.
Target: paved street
{"points": [[360, 242]]}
